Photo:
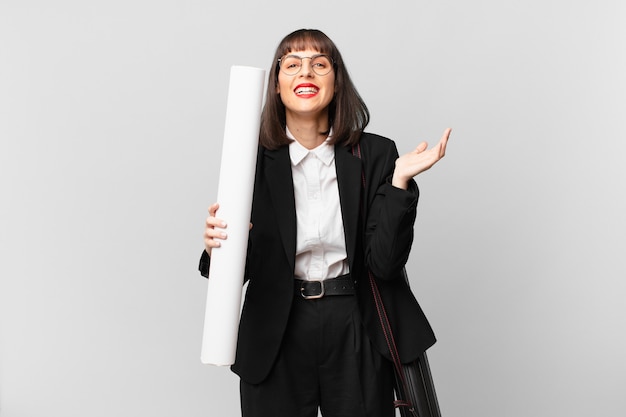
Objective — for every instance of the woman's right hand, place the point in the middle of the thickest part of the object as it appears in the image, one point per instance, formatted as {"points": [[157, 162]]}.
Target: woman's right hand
{"points": [[214, 230]]}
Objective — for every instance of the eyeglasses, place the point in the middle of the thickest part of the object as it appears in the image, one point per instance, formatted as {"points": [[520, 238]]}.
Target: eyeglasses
{"points": [[292, 64]]}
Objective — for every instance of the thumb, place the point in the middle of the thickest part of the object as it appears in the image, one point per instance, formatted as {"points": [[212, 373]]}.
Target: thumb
{"points": [[421, 147]]}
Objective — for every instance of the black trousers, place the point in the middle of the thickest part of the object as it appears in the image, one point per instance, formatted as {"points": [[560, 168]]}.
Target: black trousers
{"points": [[326, 361]]}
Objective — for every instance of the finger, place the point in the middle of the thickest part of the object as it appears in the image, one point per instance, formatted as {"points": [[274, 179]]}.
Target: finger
{"points": [[212, 243], [215, 222], [212, 239], [444, 142], [213, 209], [215, 234], [445, 136], [421, 147]]}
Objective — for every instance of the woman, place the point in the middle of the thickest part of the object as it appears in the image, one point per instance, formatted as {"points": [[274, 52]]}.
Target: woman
{"points": [[330, 204]]}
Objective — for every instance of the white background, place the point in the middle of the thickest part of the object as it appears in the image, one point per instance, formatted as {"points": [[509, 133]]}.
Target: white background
{"points": [[111, 120]]}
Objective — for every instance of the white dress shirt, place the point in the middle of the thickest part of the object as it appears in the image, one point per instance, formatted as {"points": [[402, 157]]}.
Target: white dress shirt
{"points": [[320, 243]]}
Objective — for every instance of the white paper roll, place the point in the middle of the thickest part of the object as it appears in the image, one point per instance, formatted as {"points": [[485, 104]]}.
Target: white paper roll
{"points": [[234, 195]]}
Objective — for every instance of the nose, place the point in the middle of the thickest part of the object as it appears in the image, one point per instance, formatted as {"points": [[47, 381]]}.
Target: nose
{"points": [[307, 67]]}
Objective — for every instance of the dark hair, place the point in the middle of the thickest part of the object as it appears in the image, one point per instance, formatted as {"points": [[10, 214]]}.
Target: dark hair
{"points": [[347, 112]]}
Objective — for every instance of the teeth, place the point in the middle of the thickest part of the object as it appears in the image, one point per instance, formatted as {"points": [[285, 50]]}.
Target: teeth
{"points": [[306, 90]]}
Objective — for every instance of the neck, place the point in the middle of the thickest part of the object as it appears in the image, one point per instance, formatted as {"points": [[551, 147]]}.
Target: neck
{"points": [[307, 131]]}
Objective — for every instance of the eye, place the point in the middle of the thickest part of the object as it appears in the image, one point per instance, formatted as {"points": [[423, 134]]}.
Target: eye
{"points": [[291, 62], [321, 62]]}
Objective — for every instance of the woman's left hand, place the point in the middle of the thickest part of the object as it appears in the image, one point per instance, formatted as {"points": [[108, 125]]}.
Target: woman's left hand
{"points": [[419, 160]]}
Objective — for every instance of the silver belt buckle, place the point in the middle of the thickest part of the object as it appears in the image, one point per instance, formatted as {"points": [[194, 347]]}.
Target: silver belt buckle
{"points": [[314, 296]]}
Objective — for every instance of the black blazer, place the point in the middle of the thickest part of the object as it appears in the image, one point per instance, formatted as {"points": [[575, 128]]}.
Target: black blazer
{"points": [[382, 244]]}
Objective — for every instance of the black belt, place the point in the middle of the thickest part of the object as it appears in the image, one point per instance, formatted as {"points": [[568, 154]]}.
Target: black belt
{"points": [[343, 285]]}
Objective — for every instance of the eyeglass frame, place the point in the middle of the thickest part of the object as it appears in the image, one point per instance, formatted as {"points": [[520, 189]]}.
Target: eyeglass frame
{"points": [[312, 57]]}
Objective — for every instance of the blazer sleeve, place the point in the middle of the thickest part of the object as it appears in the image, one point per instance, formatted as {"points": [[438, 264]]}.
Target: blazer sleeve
{"points": [[390, 214], [205, 262]]}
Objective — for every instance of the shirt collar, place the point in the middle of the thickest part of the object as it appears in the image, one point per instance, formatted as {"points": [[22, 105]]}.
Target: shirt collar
{"points": [[325, 151]]}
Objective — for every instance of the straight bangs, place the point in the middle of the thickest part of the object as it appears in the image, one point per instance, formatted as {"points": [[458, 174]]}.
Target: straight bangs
{"points": [[307, 39]]}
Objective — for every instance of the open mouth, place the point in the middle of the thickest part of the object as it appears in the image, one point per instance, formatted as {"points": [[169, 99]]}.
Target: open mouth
{"points": [[306, 90]]}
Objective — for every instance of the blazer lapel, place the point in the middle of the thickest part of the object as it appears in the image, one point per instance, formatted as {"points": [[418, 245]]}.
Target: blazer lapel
{"points": [[280, 183], [349, 181]]}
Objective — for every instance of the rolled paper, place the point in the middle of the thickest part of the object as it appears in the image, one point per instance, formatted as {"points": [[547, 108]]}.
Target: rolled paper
{"points": [[234, 195]]}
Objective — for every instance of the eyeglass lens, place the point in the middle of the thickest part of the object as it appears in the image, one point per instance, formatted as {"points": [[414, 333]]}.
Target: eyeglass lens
{"points": [[292, 64]]}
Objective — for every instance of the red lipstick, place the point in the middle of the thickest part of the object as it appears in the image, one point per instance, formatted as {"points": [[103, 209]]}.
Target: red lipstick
{"points": [[306, 90]]}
